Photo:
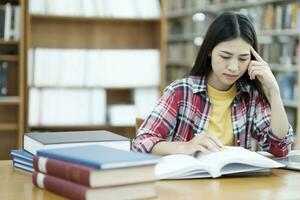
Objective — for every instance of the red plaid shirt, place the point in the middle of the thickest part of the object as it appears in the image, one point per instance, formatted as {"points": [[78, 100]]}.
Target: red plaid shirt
{"points": [[184, 110]]}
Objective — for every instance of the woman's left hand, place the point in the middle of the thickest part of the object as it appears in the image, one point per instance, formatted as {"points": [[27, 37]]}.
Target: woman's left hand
{"points": [[260, 69]]}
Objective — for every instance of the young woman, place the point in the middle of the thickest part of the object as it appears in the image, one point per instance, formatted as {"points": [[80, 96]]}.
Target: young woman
{"points": [[229, 97]]}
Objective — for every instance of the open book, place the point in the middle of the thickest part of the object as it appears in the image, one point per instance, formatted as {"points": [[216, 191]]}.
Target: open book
{"points": [[230, 160]]}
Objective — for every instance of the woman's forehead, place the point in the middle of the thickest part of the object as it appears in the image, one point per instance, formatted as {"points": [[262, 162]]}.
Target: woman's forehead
{"points": [[238, 45]]}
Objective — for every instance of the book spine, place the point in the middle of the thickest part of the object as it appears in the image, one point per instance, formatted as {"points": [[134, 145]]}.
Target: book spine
{"points": [[59, 186], [65, 170]]}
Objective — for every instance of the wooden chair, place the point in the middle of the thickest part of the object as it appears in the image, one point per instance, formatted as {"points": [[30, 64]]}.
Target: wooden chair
{"points": [[138, 123]]}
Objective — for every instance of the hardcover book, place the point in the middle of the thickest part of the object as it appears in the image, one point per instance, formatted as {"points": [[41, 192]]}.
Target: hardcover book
{"points": [[229, 161], [47, 140], [76, 191], [99, 157], [91, 177]]}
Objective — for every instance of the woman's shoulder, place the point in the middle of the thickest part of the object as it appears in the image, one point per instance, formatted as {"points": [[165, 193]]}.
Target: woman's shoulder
{"points": [[188, 82]]}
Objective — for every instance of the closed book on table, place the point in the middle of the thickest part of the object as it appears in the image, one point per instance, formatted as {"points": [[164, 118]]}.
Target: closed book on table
{"points": [[91, 177], [22, 159], [100, 157], [47, 140], [76, 191]]}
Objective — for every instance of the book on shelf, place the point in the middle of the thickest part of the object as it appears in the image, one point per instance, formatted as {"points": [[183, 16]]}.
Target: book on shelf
{"points": [[56, 107], [48, 140], [72, 190], [97, 8], [92, 177], [122, 114], [9, 22], [229, 161], [3, 78], [99, 157]]}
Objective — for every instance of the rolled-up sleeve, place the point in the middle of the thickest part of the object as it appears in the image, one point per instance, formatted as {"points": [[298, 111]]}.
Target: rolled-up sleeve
{"points": [[262, 132], [160, 124]]}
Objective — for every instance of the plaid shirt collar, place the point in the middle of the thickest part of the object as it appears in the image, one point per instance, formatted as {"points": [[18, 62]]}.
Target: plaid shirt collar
{"points": [[199, 86]]}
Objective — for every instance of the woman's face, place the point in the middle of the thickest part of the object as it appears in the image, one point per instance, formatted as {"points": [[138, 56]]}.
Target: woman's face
{"points": [[229, 62]]}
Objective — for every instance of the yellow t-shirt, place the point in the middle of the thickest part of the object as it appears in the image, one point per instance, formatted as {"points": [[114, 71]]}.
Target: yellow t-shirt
{"points": [[220, 123]]}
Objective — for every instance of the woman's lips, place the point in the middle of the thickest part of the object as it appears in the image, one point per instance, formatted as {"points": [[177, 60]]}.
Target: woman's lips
{"points": [[231, 77]]}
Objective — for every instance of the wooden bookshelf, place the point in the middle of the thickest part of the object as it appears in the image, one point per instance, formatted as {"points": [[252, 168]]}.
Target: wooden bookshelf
{"points": [[48, 31], [9, 58], [10, 100], [12, 111], [181, 11], [9, 42], [8, 127]]}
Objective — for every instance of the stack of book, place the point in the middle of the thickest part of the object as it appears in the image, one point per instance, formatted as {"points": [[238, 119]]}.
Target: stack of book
{"points": [[95, 172], [22, 158]]}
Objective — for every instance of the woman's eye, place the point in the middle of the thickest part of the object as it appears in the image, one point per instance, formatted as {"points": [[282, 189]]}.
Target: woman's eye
{"points": [[225, 57], [243, 59]]}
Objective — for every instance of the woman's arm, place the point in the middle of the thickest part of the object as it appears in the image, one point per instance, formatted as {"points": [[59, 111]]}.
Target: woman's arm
{"points": [[202, 142], [279, 120], [270, 124], [260, 69]]}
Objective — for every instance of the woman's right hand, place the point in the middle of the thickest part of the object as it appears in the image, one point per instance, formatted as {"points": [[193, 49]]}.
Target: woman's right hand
{"points": [[203, 142]]}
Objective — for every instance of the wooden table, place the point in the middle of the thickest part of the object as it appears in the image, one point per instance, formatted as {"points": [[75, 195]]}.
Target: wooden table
{"points": [[280, 184]]}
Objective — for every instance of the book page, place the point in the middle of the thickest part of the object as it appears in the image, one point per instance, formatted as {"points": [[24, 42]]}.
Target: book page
{"points": [[180, 166], [218, 160]]}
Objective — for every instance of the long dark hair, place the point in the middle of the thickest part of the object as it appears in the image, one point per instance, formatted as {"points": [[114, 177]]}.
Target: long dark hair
{"points": [[227, 26]]}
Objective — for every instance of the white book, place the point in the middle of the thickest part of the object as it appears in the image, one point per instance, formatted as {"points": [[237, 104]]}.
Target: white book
{"points": [[55, 7], [8, 21], [49, 107], [75, 107], [17, 24], [46, 67], [30, 64], [72, 67], [74, 8], [101, 10], [94, 66], [35, 141], [145, 100], [148, 8], [122, 8], [129, 68], [37, 7], [231, 160], [34, 105], [97, 107], [122, 115], [89, 8], [65, 107]]}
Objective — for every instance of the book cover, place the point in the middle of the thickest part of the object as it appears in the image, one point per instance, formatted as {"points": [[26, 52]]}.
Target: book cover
{"points": [[92, 177], [230, 160], [100, 157], [76, 191], [45, 140]]}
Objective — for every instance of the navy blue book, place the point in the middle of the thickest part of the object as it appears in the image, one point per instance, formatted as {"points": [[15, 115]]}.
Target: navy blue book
{"points": [[100, 157]]}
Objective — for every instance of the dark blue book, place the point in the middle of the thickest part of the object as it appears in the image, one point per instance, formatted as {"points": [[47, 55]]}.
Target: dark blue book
{"points": [[100, 157]]}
